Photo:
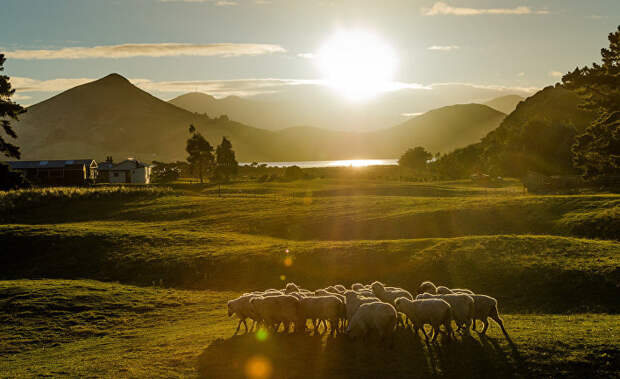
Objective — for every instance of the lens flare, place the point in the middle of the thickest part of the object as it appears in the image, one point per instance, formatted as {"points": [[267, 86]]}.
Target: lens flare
{"points": [[288, 261], [282, 277], [261, 335], [258, 367]]}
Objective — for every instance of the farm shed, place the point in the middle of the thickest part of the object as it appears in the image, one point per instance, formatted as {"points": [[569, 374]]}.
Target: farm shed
{"points": [[129, 171], [72, 172]]}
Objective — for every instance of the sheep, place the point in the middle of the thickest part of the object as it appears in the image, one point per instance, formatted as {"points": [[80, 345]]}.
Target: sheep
{"points": [[357, 287], [377, 316], [278, 309], [321, 292], [426, 311], [388, 295], [484, 307], [290, 288], [241, 307], [340, 288], [353, 302], [323, 308], [462, 290], [462, 306], [429, 287]]}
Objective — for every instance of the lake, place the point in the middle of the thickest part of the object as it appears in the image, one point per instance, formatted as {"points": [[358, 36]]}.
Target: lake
{"points": [[336, 163]]}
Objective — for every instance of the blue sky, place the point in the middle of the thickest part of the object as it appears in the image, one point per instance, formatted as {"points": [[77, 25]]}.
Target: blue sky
{"points": [[175, 45]]}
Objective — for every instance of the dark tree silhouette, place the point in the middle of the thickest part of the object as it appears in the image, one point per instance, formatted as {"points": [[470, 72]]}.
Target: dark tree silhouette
{"points": [[596, 152], [226, 164], [415, 158], [9, 110], [200, 154]]}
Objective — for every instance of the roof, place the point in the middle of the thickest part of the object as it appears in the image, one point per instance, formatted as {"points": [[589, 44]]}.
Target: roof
{"points": [[49, 164], [127, 164]]}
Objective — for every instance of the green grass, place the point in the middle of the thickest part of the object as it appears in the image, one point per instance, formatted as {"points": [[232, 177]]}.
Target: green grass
{"points": [[115, 330], [552, 261]]}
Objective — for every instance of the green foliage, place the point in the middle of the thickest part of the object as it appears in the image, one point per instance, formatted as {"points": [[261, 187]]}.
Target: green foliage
{"points": [[415, 158], [9, 110], [10, 180], [28, 198], [597, 151], [461, 163], [226, 164], [200, 154]]}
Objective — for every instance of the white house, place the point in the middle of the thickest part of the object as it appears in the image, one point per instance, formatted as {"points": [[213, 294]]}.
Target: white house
{"points": [[129, 171]]}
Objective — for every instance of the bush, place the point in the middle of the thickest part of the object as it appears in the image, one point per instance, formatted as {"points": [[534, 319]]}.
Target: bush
{"points": [[11, 180]]}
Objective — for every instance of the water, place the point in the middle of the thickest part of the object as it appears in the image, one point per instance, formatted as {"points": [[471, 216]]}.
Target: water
{"points": [[337, 163]]}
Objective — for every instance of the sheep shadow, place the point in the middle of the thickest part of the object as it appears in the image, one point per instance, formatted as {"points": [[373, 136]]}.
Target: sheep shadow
{"points": [[308, 356]]}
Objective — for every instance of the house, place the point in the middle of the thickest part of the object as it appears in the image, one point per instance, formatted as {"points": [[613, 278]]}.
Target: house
{"points": [[129, 171], [73, 172]]}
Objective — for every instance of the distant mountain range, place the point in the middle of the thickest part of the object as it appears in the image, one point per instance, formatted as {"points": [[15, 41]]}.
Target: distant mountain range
{"points": [[111, 116], [322, 108]]}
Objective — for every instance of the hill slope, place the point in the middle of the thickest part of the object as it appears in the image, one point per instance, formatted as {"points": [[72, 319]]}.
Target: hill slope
{"points": [[505, 104], [111, 116]]}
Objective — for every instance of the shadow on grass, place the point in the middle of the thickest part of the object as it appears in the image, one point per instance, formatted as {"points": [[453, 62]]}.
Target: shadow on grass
{"points": [[407, 356]]}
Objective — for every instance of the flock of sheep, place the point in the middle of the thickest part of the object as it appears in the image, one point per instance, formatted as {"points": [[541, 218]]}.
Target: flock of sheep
{"points": [[365, 309]]}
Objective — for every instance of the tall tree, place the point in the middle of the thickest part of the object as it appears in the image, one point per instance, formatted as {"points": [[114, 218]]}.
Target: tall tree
{"points": [[9, 110], [226, 164], [597, 151], [415, 158], [200, 154]]}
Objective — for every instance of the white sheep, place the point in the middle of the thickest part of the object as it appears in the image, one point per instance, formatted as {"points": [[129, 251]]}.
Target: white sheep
{"points": [[426, 311], [429, 287], [462, 306], [377, 316], [242, 308], [340, 288], [290, 288], [353, 302], [323, 308], [389, 294], [485, 307], [278, 309], [357, 287]]}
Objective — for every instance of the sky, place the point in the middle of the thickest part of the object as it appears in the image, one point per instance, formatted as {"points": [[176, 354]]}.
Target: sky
{"points": [[247, 47]]}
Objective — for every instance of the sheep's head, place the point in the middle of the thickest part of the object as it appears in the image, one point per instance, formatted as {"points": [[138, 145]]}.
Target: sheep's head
{"points": [[231, 305], [427, 287], [377, 286], [398, 303]]}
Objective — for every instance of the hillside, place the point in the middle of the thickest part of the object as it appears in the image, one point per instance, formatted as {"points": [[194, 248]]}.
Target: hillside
{"points": [[111, 116], [505, 104]]}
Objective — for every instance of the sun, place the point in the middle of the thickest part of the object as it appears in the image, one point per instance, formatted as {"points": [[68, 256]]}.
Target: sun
{"points": [[357, 64]]}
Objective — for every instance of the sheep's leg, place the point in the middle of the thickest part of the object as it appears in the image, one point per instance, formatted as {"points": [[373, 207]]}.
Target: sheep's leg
{"points": [[324, 326], [253, 325], [485, 321], [246, 326], [424, 332], [238, 326], [495, 316], [435, 332], [473, 324]]}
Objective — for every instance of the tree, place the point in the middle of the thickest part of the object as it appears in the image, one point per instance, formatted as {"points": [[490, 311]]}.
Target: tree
{"points": [[226, 164], [415, 158], [200, 154], [597, 151], [9, 110]]}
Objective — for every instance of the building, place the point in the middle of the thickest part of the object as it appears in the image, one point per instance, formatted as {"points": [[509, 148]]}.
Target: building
{"points": [[129, 171], [73, 172]]}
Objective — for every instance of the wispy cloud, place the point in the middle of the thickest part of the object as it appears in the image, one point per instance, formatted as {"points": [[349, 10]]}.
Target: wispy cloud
{"points": [[556, 74], [307, 55], [441, 8], [443, 48], [22, 84], [149, 50]]}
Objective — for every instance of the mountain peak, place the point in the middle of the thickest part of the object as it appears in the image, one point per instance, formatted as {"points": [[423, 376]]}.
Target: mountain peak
{"points": [[114, 78]]}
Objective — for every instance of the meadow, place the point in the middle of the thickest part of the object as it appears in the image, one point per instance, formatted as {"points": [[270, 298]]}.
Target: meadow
{"points": [[135, 284]]}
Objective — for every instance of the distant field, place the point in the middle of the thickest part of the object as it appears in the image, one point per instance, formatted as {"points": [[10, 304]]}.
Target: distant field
{"points": [[552, 261]]}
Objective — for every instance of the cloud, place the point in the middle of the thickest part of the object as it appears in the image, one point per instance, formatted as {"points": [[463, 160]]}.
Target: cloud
{"points": [[226, 3], [443, 48], [307, 55], [149, 50], [521, 74], [441, 8], [556, 74], [493, 87], [411, 114], [54, 85]]}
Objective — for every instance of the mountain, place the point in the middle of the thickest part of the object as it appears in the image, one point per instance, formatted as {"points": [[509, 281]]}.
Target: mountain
{"points": [[110, 116], [505, 104], [536, 136], [320, 106]]}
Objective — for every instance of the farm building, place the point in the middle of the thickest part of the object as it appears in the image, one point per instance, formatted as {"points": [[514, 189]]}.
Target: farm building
{"points": [[128, 171], [75, 172]]}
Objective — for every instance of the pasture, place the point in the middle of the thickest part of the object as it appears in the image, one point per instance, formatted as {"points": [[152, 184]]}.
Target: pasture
{"points": [[136, 284]]}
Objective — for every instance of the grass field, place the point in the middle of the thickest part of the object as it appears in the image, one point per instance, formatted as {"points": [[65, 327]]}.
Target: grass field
{"points": [[130, 285]]}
